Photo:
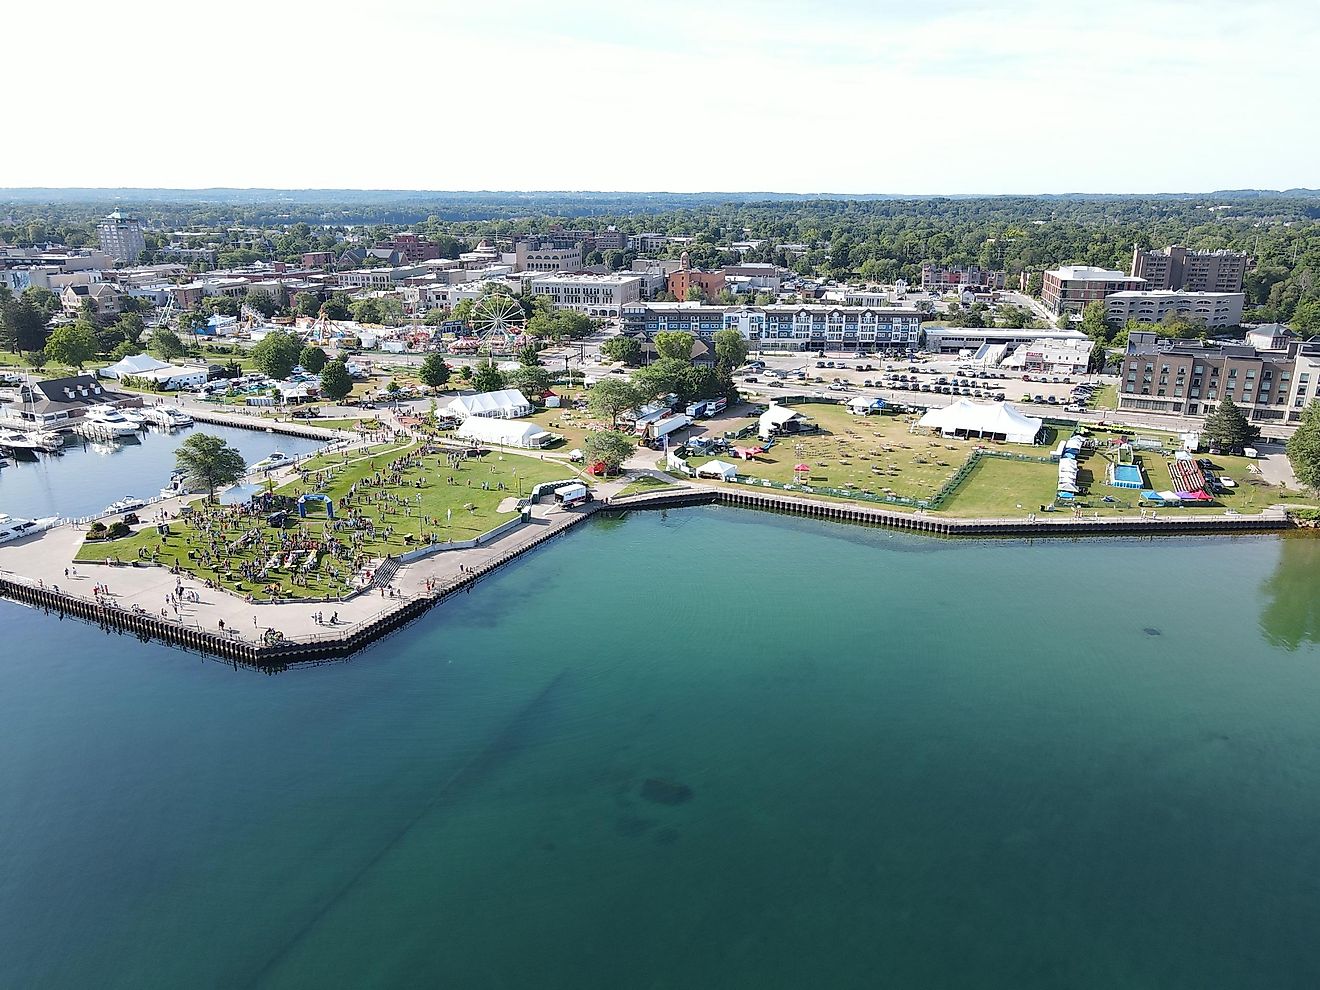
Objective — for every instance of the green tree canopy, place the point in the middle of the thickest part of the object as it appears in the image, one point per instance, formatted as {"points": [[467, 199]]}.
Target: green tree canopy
{"points": [[609, 446], [730, 348], [312, 359], [166, 343], [1095, 322], [434, 372], [660, 377], [335, 381], [206, 461], [530, 379], [307, 304], [1304, 448], [611, 397], [486, 377], [1227, 429], [261, 301], [277, 353], [23, 323], [676, 344], [623, 348], [73, 344]]}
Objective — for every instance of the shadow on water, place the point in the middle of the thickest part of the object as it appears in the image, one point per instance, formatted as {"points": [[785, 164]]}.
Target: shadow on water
{"points": [[518, 734], [1291, 615]]}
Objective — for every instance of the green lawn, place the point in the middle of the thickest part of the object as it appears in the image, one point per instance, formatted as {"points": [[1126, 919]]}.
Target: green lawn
{"points": [[471, 509], [645, 483], [1105, 398]]}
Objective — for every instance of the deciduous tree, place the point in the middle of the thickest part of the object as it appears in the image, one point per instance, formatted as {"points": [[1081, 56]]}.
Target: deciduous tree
{"points": [[335, 381], [206, 461]]}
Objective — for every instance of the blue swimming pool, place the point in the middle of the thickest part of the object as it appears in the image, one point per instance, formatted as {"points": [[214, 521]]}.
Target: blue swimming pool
{"points": [[1126, 476]]}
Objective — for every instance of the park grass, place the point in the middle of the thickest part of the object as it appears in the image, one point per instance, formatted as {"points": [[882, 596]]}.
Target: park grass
{"points": [[646, 483], [462, 511], [1105, 398]]}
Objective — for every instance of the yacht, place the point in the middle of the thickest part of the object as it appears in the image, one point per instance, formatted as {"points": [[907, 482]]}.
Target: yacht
{"points": [[276, 460], [51, 441], [177, 486], [169, 417], [16, 441], [126, 504], [103, 420], [14, 528]]}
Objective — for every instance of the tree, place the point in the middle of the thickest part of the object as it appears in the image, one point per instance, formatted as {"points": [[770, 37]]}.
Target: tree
{"points": [[730, 348], [261, 301], [206, 461], [462, 311], [222, 305], [610, 397], [122, 350], [312, 359], [530, 380], [1227, 429], [336, 307], [675, 344], [1064, 320], [23, 323], [37, 359], [191, 321], [1304, 448], [335, 381], [307, 304], [435, 372], [129, 328], [1095, 322], [486, 377], [73, 344], [385, 311], [529, 355], [166, 343], [610, 447], [623, 348], [277, 353], [660, 377]]}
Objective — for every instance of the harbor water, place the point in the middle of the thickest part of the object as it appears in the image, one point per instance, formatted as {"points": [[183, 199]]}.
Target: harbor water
{"points": [[89, 475], [700, 748]]}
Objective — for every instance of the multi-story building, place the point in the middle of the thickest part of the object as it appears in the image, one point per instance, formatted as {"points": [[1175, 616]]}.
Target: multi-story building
{"points": [[595, 295], [1214, 309], [686, 278], [1056, 357], [807, 327], [121, 237], [647, 242], [1177, 268], [611, 239], [955, 278], [539, 256], [105, 299], [1071, 287], [1190, 377], [955, 340]]}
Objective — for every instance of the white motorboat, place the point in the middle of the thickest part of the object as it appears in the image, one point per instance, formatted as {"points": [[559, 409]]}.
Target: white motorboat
{"points": [[276, 460], [17, 440], [177, 486], [106, 421], [126, 504], [14, 528], [51, 441], [167, 417]]}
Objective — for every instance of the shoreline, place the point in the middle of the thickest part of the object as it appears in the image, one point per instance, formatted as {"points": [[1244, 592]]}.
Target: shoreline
{"points": [[357, 634]]}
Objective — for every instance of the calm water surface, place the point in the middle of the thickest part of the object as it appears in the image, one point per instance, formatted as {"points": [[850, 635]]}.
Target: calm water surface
{"points": [[884, 761], [89, 476]]}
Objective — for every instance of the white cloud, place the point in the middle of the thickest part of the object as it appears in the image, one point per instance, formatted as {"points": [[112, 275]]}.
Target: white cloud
{"points": [[838, 96]]}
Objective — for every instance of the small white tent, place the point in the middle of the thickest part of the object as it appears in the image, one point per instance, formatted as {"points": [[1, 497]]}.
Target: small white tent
{"points": [[135, 364], [506, 433], [862, 406], [994, 419], [507, 403], [718, 469]]}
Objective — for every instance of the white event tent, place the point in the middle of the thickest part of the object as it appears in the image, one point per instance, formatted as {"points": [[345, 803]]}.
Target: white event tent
{"points": [[718, 469], [135, 364], [507, 403], [995, 419], [506, 433]]}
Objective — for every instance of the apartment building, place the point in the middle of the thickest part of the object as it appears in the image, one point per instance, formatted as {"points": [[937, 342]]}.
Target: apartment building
{"points": [[1071, 287], [686, 279], [121, 237], [595, 295], [1214, 309], [1190, 377], [784, 327], [540, 256], [955, 278], [1177, 268]]}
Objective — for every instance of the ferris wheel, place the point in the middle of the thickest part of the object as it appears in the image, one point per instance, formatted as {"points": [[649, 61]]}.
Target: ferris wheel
{"points": [[497, 319]]}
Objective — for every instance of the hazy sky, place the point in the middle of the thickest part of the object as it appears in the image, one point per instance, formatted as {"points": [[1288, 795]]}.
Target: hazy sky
{"points": [[819, 95]]}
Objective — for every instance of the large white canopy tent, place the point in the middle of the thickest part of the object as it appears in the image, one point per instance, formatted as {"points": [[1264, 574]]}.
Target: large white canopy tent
{"points": [[718, 469], [507, 403], [779, 419], [994, 419], [134, 364], [506, 433]]}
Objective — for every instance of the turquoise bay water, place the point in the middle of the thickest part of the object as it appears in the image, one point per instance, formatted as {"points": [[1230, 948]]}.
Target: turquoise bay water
{"points": [[908, 763], [89, 476]]}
